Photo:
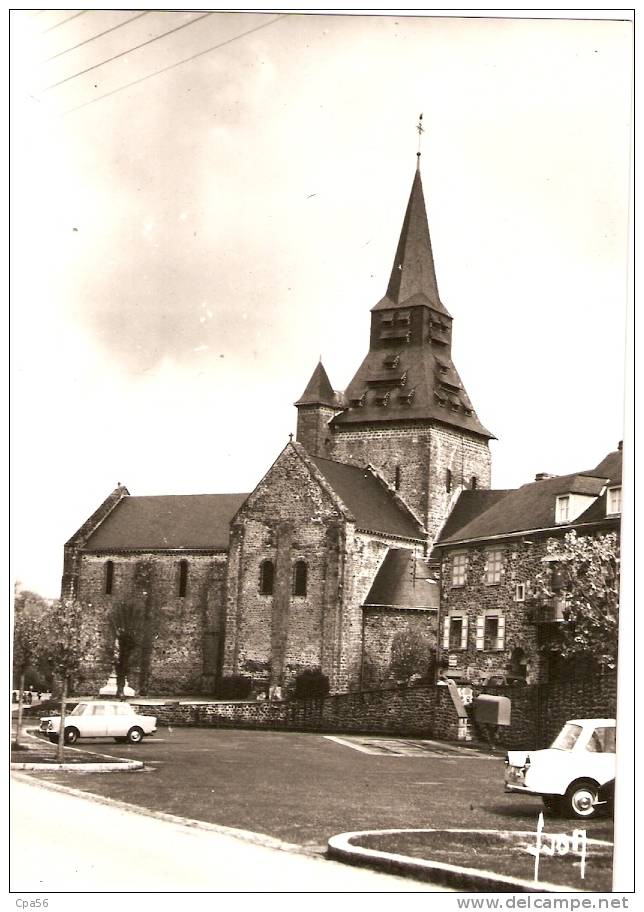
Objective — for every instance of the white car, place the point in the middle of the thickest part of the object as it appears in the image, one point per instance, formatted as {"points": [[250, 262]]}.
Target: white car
{"points": [[575, 776], [100, 719]]}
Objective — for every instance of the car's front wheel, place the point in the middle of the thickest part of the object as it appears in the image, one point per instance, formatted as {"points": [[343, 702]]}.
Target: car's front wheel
{"points": [[581, 799], [135, 735], [71, 735]]}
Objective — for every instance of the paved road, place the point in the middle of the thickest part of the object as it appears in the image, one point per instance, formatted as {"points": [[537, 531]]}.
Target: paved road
{"points": [[304, 788], [82, 846]]}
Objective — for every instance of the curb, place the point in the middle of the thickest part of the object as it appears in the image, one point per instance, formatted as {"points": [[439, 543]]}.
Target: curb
{"points": [[109, 765], [120, 766], [341, 848]]}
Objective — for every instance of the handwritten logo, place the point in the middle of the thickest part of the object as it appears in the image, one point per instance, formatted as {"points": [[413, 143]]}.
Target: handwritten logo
{"points": [[558, 844]]}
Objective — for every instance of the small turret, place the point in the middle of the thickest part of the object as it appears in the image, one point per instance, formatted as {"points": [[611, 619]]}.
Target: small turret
{"points": [[317, 405]]}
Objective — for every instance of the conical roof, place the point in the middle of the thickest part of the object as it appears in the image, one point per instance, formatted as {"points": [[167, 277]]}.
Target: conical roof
{"points": [[318, 390], [413, 275], [408, 373]]}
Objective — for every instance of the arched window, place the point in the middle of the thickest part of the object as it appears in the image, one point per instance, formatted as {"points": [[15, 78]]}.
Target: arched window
{"points": [[183, 578], [266, 577], [448, 480], [299, 578], [397, 478], [474, 483], [109, 577]]}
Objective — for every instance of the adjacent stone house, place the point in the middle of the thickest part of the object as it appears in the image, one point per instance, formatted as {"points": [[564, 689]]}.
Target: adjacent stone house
{"points": [[491, 548], [325, 561]]}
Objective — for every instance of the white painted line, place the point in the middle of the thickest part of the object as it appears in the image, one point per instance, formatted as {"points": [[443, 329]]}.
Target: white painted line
{"points": [[354, 746]]}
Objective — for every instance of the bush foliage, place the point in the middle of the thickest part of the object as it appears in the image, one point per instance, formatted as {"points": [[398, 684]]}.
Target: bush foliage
{"points": [[234, 687], [311, 684]]}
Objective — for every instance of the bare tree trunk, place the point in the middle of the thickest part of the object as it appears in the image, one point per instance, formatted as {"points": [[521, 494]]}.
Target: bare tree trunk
{"points": [[21, 685], [61, 733]]}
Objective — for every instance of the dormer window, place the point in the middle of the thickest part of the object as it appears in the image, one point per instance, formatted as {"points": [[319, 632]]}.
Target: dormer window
{"points": [[392, 360], [382, 397], [562, 510], [359, 401], [387, 319], [406, 396], [403, 316], [614, 501]]}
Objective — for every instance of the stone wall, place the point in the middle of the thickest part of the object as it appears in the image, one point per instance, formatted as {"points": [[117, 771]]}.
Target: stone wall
{"points": [[180, 644], [289, 517], [521, 563], [407, 711], [380, 627], [423, 454]]}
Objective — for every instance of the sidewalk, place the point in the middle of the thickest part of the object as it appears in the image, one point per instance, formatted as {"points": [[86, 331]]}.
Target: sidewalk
{"points": [[91, 846]]}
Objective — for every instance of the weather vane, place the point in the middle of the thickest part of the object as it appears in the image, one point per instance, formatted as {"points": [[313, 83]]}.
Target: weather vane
{"points": [[420, 130]]}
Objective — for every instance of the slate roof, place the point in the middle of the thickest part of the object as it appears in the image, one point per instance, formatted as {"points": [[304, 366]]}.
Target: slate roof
{"points": [[318, 390], [469, 505], [413, 271], [432, 389], [531, 506], [373, 506], [610, 467], [403, 581], [172, 522]]}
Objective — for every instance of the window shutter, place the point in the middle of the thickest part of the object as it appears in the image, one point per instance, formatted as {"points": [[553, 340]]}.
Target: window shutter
{"points": [[464, 633], [446, 633], [480, 631], [500, 633]]}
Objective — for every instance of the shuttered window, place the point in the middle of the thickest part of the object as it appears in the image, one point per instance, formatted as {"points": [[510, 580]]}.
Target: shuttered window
{"points": [[455, 632], [490, 632]]}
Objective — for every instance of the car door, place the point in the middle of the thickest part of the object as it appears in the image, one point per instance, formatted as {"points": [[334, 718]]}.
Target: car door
{"points": [[95, 723]]}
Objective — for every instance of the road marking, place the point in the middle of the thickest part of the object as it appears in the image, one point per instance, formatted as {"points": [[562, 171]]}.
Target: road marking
{"points": [[352, 744], [402, 747]]}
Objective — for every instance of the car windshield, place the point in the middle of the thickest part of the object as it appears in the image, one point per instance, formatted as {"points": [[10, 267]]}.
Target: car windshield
{"points": [[79, 710], [567, 737]]}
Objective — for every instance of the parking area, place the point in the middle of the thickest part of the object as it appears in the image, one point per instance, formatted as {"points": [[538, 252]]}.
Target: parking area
{"points": [[304, 788]]}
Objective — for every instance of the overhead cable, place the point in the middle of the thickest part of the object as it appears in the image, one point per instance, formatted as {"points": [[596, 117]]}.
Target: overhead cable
{"points": [[124, 53], [172, 66], [100, 35]]}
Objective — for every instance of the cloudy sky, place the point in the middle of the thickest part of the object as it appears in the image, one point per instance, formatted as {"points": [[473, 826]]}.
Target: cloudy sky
{"points": [[187, 243]]}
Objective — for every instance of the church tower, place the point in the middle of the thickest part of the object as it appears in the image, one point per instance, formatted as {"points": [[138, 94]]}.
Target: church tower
{"points": [[406, 412]]}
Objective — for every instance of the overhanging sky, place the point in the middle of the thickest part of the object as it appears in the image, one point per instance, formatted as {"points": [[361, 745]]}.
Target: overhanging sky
{"points": [[186, 248]]}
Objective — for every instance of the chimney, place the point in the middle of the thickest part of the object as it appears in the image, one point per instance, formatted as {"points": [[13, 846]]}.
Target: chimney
{"points": [[541, 476], [619, 445]]}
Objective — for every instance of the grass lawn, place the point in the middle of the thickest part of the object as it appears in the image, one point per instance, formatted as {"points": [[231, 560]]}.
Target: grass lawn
{"points": [[503, 853]]}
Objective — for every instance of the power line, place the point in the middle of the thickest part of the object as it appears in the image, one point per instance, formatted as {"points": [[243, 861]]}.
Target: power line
{"points": [[124, 53], [100, 35], [173, 65], [69, 19]]}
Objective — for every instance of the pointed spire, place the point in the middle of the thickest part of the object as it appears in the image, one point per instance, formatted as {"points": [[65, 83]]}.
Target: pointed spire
{"points": [[413, 270], [318, 390]]}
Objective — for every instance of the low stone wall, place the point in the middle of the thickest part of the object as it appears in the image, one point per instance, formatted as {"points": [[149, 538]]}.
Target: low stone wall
{"points": [[424, 710], [404, 710]]}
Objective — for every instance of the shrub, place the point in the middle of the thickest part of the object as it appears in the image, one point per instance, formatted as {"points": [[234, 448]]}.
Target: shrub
{"points": [[234, 687], [311, 684]]}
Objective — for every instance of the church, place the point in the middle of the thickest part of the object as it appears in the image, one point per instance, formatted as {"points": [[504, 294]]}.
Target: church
{"points": [[327, 559]]}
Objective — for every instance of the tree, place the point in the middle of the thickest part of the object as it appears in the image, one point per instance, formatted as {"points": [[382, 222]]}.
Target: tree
{"points": [[411, 653], [29, 609], [67, 646], [582, 574], [127, 621]]}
